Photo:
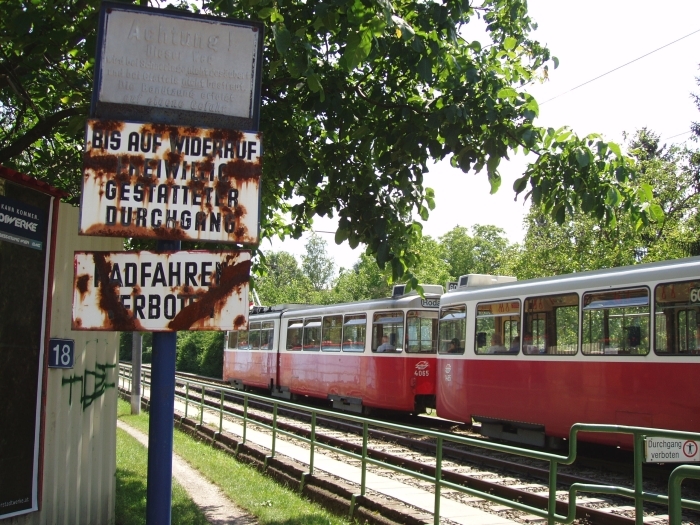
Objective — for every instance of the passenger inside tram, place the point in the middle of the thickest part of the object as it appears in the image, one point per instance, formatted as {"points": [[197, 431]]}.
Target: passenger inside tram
{"points": [[454, 347], [386, 346], [514, 345], [497, 344]]}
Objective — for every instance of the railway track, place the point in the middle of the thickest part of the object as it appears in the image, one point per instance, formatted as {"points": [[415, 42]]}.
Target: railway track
{"points": [[509, 477]]}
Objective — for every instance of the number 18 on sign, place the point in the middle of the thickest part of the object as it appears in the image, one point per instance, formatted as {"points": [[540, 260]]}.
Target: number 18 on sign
{"points": [[61, 353]]}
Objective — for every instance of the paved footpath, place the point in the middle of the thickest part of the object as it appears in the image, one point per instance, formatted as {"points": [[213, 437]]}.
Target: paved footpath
{"points": [[450, 509], [218, 509]]}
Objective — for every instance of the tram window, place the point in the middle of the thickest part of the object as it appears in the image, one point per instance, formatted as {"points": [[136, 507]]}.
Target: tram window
{"points": [[551, 325], [233, 339], [332, 332], [243, 340], [387, 332], [312, 334], [495, 322], [294, 331], [616, 322], [354, 333], [254, 336], [421, 326], [677, 318], [267, 335], [453, 327]]}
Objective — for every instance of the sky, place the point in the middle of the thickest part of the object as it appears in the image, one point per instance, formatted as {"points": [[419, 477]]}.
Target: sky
{"points": [[590, 38]]}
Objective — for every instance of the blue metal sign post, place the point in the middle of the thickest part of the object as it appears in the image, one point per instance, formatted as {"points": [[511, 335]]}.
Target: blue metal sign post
{"points": [[160, 423]]}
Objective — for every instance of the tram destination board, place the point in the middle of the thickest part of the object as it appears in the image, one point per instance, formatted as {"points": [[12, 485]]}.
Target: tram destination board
{"points": [[161, 292], [171, 183]]}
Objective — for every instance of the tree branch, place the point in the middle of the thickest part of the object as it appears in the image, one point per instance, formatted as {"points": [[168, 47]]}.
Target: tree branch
{"points": [[41, 129]]}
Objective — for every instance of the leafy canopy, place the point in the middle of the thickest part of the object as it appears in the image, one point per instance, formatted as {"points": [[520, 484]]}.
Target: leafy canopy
{"points": [[357, 97]]}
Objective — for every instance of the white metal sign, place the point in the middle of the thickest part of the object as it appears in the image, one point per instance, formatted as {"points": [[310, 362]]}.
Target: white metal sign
{"points": [[665, 450], [162, 61], [169, 291], [170, 182]]}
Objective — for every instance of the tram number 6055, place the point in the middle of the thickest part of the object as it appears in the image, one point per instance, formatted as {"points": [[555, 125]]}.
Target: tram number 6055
{"points": [[61, 353]]}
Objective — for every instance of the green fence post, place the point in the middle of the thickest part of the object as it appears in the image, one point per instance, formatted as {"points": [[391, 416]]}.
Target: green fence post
{"points": [[552, 502], [201, 406], [675, 508], [221, 413], [363, 475], [274, 435], [438, 480], [187, 397], [638, 479], [313, 442]]}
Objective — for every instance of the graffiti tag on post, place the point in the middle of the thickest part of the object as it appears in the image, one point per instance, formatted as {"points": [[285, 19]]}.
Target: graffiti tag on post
{"points": [[167, 291], [169, 182]]}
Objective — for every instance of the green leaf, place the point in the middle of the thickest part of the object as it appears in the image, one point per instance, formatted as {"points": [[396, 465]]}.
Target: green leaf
{"points": [[357, 49], [556, 62], [383, 254], [612, 197], [507, 92], [341, 235], [582, 158], [615, 149], [657, 213], [425, 69], [283, 39], [520, 184], [314, 82], [560, 215], [645, 192], [509, 43], [495, 182], [529, 137]]}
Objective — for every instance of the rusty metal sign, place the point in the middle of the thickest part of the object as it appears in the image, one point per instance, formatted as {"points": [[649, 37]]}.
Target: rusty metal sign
{"points": [[171, 183], [160, 292], [175, 67]]}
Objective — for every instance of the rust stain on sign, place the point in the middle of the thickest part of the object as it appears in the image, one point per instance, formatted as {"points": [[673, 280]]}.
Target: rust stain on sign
{"points": [[170, 182], [170, 291]]}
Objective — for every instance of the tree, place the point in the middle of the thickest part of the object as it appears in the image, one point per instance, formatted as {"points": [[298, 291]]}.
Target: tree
{"points": [[357, 96], [281, 280], [671, 180], [365, 280], [317, 265], [486, 251]]}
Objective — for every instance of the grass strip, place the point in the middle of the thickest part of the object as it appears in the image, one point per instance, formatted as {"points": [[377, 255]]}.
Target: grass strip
{"points": [[257, 494], [132, 467]]}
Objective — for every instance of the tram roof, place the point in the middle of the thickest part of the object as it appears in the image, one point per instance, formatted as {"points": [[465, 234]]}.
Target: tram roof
{"points": [[408, 300], [611, 278]]}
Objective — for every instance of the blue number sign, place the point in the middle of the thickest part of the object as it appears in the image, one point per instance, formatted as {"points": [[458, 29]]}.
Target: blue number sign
{"points": [[61, 353]]}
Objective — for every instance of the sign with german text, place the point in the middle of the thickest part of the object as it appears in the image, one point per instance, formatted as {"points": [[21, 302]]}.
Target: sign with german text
{"points": [[22, 224], [171, 183], [161, 292], [667, 450], [159, 65]]}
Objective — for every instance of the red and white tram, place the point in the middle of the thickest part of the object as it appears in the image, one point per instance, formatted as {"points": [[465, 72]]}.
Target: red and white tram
{"points": [[531, 358], [377, 354]]}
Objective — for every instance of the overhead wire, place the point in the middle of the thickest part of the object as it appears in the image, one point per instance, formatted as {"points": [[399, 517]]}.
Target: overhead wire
{"points": [[620, 67]]}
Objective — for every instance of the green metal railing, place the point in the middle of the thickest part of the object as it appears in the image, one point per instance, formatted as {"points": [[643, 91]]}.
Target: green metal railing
{"points": [[673, 501]]}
